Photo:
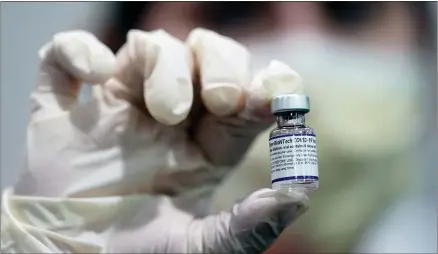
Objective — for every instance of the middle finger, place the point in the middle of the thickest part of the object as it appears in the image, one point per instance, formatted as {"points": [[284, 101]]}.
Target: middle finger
{"points": [[224, 69]]}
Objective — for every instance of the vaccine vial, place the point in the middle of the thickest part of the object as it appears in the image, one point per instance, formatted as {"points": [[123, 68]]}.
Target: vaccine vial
{"points": [[292, 146]]}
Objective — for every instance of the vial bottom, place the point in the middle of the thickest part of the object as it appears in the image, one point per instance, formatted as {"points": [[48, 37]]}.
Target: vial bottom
{"points": [[295, 186]]}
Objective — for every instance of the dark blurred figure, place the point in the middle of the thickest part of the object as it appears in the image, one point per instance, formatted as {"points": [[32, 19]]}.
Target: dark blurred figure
{"points": [[363, 63]]}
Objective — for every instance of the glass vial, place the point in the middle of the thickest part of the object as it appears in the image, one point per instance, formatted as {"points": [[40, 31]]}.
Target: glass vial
{"points": [[292, 146]]}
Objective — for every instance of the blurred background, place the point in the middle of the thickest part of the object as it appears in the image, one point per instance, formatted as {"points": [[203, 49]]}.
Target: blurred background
{"points": [[370, 69]]}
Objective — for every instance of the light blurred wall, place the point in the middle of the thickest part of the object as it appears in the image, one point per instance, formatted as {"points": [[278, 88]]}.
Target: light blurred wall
{"points": [[25, 27], [410, 224]]}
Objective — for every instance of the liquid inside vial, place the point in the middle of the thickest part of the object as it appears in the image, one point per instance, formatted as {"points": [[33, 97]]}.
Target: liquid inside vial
{"points": [[293, 154]]}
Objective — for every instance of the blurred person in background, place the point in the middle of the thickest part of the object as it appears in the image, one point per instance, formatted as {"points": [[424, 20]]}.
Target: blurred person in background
{"points": [[363, 66], [360, 65]]}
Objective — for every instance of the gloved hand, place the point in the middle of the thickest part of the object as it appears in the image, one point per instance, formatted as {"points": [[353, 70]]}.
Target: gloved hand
{"points": [[168, 121]]}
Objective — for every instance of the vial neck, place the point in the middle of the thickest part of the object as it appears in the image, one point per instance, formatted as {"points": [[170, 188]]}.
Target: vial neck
{"points": [[291, 119]]}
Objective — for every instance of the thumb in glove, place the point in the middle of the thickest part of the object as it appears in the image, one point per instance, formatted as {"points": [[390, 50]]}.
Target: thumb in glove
{"points": [[251, 226]]}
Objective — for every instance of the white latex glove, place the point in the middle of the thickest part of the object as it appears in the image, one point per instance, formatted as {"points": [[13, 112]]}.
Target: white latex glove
{"points": [[167, 122]]}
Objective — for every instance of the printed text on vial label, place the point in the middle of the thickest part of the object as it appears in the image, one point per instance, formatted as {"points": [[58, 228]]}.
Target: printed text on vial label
{"points": [[293, 156]]}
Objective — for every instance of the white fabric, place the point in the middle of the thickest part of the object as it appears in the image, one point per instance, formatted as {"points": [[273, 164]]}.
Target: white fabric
{"points": [[133, 170]]}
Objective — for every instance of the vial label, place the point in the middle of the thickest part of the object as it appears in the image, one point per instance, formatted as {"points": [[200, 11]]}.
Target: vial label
{"points": [[293, 157]]}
